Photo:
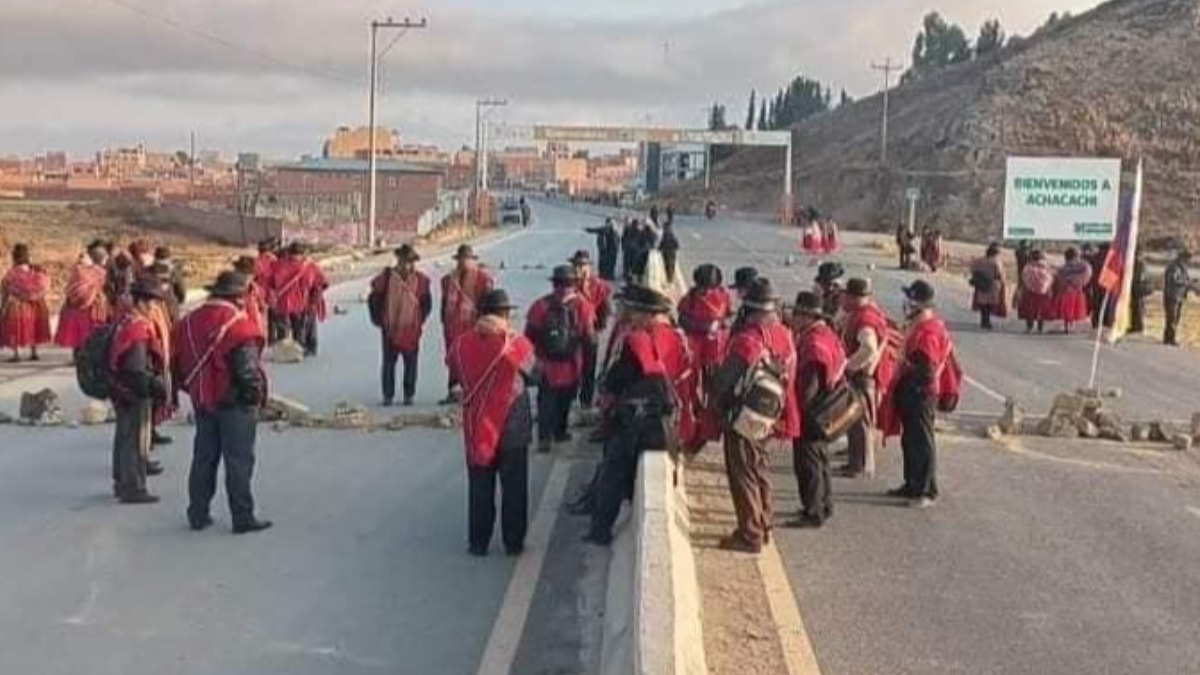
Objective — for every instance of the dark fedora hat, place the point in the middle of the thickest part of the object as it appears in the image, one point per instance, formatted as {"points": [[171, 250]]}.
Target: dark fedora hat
{"points": [[920, 291], [809, 304], [761, 296], [564, 273], [581, 257], [298, 248], [229, 284], [859, 288], [644, 299], [465, 252], [406, 253], [707, 276], [743, 277], [146, 287], [96, 244], [830, 271], [495, 301]]}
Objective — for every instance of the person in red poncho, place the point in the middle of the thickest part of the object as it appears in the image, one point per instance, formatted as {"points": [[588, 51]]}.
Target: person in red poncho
{"points": [[297, 289], [24, 314], [495, 366], [139, 369], [869, 368], [85, 307], [927, 352], [651, 363], [560, 325], [264, 265], [704, 315], [1036, 305], [400, 302], [1070, 290], [598, 293], [462, 289], [821, 369], [255, 300], [218, 349], [758, 335]]}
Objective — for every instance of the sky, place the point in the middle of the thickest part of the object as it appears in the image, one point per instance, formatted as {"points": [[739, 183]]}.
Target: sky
{"points": [[277, 76]]}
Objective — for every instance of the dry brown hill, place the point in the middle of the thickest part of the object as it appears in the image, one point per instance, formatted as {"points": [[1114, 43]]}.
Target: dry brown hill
{"points": [[1122, 80]]}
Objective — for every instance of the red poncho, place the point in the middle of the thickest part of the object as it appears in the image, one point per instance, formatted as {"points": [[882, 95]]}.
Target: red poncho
{"points": [[24, 315], [873, 318], [297, 288], [560, 374], [403, 320], [203, 340], [134, 328], [750, 344], [461, 292], [85, 307], [488, 361]]}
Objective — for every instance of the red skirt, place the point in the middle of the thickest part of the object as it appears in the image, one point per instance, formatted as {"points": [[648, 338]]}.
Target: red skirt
{"points": [[1072, 306], [811, 244], [1034, 307], [25, 324], [75, 326]]}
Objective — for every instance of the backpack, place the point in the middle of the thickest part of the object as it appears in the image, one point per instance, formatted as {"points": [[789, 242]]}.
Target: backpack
{"points": [[557, 336], [760, 400], [92, 370]]}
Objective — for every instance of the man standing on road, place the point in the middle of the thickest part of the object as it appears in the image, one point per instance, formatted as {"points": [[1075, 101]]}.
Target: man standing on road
{"points": [[462, 289], [298, 288], [927, 352], [758, 339], [599, 295], [526, 213], [652, 359], [495, 368], [218, 350], [904, 245], [704, 315], [608, 247], [264, 264], [1142, 289], [138, 366], [175, 279], [85, 306], [869, 369], [560, 325], [821, 369], [255, 300], [400, 303], [1177, 286]]}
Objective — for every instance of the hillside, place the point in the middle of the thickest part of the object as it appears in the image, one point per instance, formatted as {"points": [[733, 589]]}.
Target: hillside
{"points": [[1121, 81]]}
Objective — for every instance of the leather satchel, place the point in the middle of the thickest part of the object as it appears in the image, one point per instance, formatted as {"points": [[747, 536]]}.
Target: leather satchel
{"points": [[839, 410]]}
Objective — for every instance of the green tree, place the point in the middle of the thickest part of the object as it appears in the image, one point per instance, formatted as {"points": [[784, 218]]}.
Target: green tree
{"points": [[939, 44], [716, 118], [750, 111], [844, 100], [991, 38], [762, 115]]}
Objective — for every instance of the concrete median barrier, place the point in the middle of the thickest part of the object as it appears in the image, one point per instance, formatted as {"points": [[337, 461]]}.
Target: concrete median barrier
{"points": [[652, 620]]}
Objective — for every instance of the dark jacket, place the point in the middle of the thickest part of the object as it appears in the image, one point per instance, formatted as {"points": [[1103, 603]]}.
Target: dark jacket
{"points": [[247, 384]]}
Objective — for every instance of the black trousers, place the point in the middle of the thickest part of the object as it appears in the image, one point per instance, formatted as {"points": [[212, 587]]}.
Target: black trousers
{"points": [[669, 260], [304, 331], [388, 374], [276, 327], [131, 448], [810, 460], [919, 445], [587, 385], [1137, 323], [512, 469], [615, 478], [227, 434], [608, 265], [985, 317], [554, 411], [1173, 308]]}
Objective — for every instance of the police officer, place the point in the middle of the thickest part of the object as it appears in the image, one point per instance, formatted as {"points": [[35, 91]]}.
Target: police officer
{"points": [[1177, 286]]}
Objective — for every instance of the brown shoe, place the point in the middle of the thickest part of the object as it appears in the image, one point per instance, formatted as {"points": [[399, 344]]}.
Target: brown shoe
{"points": [[739, 545], [138, 498]]}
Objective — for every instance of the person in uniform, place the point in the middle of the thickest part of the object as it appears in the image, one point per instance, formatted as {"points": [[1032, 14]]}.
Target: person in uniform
{"points": [[926, 353], [820, 370], [139, 369], [1070, 290], [869, 369], [599, 295], [642, 385], [400, 303], [704, 315], [560, 325], [85, 305], [495, 366], [1036, 304], [758, 334], [297, 287], [608, 247], [988, 280], [218, 350], [461, 291], [1177, 286]]}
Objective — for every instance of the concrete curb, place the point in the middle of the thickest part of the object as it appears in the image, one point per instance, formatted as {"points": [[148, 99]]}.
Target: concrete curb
{"points": [[652, 620]]}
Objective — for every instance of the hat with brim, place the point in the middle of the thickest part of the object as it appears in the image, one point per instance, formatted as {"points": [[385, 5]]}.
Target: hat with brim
{"points": [[644, 299], [920, 293], [859, 288], [229, 285], [465, 252], [564, 274], [407, 253], [809, 304], [761, 296], [581, 258], [147, 288], [496, 301], [743, 277], [830, 271]]}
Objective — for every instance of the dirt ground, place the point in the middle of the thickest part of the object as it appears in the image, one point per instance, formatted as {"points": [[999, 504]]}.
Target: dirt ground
{"points": [[739, 637]]}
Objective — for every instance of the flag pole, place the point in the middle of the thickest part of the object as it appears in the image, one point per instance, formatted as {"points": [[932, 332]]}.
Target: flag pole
{"points": [[1099, 339]]}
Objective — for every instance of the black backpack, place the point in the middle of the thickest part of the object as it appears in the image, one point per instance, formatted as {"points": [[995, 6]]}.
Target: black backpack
{"points": [[557, 338], [91, 363]]}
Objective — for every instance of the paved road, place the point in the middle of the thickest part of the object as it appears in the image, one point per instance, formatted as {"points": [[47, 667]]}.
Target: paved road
{"points": [[1043, 557], [365, 571]]}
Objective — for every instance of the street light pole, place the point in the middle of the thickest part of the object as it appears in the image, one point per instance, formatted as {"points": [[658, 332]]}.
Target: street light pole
{"points": [[481, 172], [887, 67], [372, 163]]}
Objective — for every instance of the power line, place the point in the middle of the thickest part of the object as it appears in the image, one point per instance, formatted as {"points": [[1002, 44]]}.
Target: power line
{"points": [[213, 38]]}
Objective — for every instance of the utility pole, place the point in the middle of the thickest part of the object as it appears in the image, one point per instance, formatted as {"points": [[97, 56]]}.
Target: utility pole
{"points": [[371, 160], [192, 168], [887, 67], [483, 107]]}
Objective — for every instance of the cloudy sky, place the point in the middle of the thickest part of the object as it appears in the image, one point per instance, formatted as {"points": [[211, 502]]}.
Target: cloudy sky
{"points": [[276, 76]]}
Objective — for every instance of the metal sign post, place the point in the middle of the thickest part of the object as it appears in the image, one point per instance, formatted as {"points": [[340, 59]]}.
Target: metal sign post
{"points": [[912, 194]]}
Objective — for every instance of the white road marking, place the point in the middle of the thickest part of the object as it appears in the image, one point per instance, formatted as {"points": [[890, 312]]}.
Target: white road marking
{"points": [[798, 654], [983, 388], [1194, 511], [1048, 362], [696, 235], [501, 648]]}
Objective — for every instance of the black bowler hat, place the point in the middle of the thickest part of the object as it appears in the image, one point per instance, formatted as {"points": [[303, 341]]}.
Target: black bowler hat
{"points": [[406, 253], [809, 304], [495, 301], [920, 292], [564, 274], [581, 258], [298, 248], [743, 277], [707, 276], [761, 296], [830, 271], [644, 299], [146, 288], [229, 284], [466, 252], [859, 288], [96, 244]]}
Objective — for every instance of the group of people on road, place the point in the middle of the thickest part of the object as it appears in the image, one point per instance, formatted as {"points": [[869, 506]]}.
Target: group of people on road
{"points": [[929, 247], [647, 250], [820, 235]]}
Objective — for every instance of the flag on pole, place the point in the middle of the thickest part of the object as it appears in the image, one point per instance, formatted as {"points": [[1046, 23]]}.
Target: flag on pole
{"points": [[1116, 277]]}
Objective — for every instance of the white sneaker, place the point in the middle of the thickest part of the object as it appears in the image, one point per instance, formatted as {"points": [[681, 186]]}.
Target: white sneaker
{"points": [[922, 503]]}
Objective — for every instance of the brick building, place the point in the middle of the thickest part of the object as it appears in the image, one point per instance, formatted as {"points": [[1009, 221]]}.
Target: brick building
{"points": [[347, 143]]}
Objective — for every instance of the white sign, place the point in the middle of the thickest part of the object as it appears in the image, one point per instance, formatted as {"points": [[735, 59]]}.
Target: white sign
{"points": [[1062, 199], [913, 194]]}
